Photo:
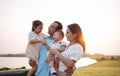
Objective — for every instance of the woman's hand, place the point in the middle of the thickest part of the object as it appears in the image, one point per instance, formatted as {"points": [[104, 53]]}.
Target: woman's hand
{"points": [[70, 70], [52, 51], [49, 58]]}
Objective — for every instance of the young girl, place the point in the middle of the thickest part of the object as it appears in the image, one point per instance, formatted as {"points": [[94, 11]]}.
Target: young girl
{"points": [[59, 45], [34, 43]]}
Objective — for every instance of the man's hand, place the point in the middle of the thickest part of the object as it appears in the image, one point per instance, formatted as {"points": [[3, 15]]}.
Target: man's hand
{"points": [[49, 58], [32, 62]]}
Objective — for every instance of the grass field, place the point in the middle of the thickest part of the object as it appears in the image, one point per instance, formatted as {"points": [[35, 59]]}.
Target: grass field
{"points": [[102, 68]]}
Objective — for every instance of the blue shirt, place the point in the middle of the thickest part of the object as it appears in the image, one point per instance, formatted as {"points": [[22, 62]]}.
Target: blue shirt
{"points": [[43, 67]]}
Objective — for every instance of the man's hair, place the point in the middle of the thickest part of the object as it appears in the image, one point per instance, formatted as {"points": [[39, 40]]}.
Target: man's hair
{"points": [[60, 26]]}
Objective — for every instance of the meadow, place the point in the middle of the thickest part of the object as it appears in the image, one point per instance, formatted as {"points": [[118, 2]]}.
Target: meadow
{"points": [[102, 68]]}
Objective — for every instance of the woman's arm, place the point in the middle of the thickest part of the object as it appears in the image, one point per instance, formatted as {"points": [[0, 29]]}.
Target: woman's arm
{"points": [[66, 61], [62, 48]]}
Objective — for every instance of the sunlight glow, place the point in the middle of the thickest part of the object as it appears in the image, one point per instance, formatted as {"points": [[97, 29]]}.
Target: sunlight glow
{"points": [[99, 20]]}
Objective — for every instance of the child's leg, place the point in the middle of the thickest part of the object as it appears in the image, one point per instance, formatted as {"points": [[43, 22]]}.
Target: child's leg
{"points": [[32, 71], [51, 64], [56, 64], [52, 69]]}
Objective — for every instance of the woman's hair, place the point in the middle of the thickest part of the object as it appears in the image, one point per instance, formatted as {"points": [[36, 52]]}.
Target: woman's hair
{"points": [[75, 29], [60, 26], [35, 24]]}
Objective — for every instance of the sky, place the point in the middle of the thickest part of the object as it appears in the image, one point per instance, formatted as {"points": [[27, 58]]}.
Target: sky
{"points": [[99, 20]]}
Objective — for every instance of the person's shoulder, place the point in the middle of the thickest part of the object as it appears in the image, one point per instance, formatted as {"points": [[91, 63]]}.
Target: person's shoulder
{"points": [[43, 35], [31, 33], [64, 43], [76, 45]]}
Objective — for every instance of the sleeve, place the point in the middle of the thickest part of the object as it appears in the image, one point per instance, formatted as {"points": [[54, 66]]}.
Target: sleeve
{"points": [[31, 37], [76, 52], [43, 36], [64, 43]]}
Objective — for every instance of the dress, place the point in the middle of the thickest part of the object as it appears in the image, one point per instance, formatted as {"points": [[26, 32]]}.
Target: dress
{"points": [[43, 67], [32, 50]]}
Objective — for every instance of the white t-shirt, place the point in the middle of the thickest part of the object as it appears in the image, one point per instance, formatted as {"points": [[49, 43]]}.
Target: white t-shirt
{"points": [[73, 52], [32, 50], [56, 45]]}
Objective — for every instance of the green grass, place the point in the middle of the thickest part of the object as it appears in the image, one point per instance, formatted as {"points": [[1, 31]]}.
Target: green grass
{"points": [[102, 68]]}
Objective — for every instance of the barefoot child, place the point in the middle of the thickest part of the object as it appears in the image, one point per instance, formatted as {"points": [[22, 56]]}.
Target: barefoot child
{"points": [[34, 43]]}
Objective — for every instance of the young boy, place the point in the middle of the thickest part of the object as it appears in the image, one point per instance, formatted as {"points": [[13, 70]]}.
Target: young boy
{"points": [[57, 44]]}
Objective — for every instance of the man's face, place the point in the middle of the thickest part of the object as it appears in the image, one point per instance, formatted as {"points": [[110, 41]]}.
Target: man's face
{"points": [[52, 28]]}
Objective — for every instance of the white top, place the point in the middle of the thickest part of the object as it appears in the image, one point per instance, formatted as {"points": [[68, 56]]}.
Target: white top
{"points": [[32, 50], [56, 45], [73, 52]]}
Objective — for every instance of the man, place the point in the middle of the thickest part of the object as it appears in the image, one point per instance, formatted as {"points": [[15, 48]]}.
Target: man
{"points": [[43, 67]]}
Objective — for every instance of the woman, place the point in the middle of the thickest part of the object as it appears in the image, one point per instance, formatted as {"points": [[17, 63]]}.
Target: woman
{"points": [[74, 50]]}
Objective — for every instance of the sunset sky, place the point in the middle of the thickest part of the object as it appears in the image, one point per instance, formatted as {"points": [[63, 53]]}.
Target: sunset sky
{"points": [[99, 20]]}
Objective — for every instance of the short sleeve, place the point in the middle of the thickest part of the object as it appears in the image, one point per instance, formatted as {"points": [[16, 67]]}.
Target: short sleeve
{"points": [[43, 36], [31, 36], [75, 52], [64, 43]]}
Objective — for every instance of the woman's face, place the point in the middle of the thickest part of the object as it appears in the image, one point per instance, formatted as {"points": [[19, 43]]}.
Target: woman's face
{"points": [[52, 28], [69, 34]]}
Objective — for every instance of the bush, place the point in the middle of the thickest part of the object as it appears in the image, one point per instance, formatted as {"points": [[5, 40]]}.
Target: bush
{"points": [[5, 68]]}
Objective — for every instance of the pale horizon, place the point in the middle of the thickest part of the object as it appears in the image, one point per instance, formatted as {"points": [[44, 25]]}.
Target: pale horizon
{"points": [[99, 20]]}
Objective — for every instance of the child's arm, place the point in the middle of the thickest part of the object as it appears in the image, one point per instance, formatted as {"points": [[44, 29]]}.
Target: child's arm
{"points": [[47, 46], [35, 41], [43, 42], [32, 39], [62, 48]]}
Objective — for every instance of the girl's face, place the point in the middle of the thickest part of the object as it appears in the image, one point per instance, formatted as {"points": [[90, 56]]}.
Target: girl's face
{"points": [[57, 36], [69, 35], [38, 29]]}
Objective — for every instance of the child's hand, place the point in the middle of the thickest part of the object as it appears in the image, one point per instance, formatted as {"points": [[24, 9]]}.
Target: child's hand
{"points": [[52, 51], [43, 42]]}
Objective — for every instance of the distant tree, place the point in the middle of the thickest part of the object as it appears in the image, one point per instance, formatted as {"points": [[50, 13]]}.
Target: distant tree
{"points": [[102, 58], [112, 58]]}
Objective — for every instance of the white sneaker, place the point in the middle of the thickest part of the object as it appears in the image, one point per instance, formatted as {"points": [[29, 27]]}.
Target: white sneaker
{"points": [[53, 75], [53, 72]]}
